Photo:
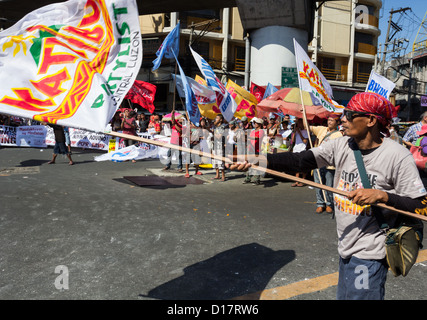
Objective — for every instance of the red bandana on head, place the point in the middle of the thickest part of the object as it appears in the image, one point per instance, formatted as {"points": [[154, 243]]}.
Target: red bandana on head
{"points": [[379, 106]]}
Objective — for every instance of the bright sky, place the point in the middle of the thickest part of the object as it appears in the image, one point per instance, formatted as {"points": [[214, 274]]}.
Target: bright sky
{"points": [[409, 21]]}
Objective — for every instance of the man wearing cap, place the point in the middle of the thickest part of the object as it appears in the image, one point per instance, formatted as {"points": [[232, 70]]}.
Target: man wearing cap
{"points": [[394, 178]]}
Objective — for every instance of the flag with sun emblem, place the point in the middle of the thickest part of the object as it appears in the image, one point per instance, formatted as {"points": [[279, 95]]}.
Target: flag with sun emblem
{"points": [[70, 63]]}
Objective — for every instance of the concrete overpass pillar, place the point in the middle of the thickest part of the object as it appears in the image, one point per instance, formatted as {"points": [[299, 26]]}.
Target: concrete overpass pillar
{"points": [[271, 49], [272, 25]]}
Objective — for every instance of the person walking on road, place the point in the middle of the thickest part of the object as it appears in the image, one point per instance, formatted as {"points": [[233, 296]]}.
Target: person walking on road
{"points": [[60, 147]]}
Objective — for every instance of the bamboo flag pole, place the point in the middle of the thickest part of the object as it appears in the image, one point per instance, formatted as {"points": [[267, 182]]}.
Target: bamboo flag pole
{"points": [[259, 168], [309, 138]]}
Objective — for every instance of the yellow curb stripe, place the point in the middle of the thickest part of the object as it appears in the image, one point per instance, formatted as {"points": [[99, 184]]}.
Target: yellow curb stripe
{"points": [[305, 286], [422, 256]]}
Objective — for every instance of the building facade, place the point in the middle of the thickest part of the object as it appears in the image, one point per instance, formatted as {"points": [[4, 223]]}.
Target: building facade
{"points": [[344, 45]]}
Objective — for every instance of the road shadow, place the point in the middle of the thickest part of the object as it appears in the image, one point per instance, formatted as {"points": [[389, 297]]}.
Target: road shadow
{"points": [[229, 274], [32, 163]]}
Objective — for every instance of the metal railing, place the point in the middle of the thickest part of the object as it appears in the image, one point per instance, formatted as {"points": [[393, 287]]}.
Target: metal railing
{"points": [[333, 74], [239, 64], [362, 77]]}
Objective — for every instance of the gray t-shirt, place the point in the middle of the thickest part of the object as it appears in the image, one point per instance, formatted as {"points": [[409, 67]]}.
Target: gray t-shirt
{"points": [[391, 168]]}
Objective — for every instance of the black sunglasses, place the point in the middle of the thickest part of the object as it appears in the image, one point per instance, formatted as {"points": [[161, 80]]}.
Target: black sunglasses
{"points": [[350, 114]]}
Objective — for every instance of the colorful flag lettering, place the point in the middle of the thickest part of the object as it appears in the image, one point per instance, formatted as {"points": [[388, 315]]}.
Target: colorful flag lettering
{"points": [[72, 62], [312, 80], [246, 102]]}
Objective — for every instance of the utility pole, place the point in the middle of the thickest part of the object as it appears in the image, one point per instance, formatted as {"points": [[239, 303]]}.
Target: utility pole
{"points": [[410, 113], [387, 37]]}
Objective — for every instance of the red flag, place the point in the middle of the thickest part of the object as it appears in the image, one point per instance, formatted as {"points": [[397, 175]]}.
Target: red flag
{"points": [[257, 91], [143, 94]]}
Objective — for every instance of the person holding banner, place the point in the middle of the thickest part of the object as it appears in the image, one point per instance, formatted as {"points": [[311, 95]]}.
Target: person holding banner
{"points": [[394, 180]]}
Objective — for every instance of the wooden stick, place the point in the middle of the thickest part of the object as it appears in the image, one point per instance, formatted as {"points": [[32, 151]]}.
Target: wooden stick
{"points": [[269, 171], [309, 139]]}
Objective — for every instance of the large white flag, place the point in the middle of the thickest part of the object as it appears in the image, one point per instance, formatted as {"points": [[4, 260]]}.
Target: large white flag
{"points": [[379, 84], [225, 101], [71, 63], [312, 80]]}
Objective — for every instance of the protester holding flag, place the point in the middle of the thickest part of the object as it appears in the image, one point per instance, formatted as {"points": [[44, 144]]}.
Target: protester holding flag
{"points": [[394, 180]]}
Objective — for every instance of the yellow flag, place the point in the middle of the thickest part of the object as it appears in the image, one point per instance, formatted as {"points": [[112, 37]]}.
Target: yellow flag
{"points": [[246, 101], [208, 110]]}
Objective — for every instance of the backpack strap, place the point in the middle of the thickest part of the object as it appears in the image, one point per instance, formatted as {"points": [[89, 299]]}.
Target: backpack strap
{"points": [[366, 184]]}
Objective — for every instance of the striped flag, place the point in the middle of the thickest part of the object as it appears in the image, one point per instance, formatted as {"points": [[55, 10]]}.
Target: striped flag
{"points": [[225, 101]]}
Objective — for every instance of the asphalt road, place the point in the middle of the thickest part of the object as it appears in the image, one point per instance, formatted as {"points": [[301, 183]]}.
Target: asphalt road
{"points": [[84, 232]]}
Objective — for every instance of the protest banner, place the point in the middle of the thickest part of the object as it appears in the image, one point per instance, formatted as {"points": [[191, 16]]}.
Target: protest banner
{"points": [[88, 139], [8, 136], [72, 62], [31, 136], [128, 153], [380, 85]]}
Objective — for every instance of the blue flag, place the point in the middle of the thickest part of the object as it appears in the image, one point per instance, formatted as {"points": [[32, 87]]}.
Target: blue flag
{"points": [[191, 103], [170, 43], [269, 90]]}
